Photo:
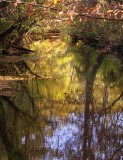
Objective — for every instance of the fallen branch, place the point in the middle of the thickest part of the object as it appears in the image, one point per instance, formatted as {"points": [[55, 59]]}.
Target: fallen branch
{"points": [[4, 34], [25, 50], [7, 32]]}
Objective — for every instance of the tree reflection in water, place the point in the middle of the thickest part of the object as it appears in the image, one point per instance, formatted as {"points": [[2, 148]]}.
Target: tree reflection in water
{"points": [[43, 119], [102, 140]]}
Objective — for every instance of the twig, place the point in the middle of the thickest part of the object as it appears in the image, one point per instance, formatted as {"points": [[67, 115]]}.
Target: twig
{"points": [[36, 5], [118, 149], [104, 18], [112, 104]]}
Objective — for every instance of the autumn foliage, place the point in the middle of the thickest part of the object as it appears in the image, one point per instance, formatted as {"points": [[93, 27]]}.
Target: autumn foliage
{"points": [[108, 11], [76, 8]]}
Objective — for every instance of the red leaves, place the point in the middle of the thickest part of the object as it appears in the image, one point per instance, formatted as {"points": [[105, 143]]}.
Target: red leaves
{"points": [[29, 9]]}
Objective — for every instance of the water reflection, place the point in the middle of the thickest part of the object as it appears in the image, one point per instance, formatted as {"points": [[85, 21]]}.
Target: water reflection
{"points": [[69, 138], [61, 113]]}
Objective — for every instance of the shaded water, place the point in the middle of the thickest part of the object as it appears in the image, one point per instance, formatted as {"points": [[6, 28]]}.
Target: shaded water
{"points": [[43, 115]]}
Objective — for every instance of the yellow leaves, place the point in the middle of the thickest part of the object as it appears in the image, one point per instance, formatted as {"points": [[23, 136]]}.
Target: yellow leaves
{"points": [[110, 11], [55, 2]]}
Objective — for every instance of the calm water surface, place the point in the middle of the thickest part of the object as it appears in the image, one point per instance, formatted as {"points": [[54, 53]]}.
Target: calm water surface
{"points": [[44, 115]]}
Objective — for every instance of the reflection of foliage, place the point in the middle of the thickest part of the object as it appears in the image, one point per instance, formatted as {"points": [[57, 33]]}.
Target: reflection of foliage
{"points": [[108, 76], [12, 151], [51, 58], [55, 63], [112, 70], [91, 34]]}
